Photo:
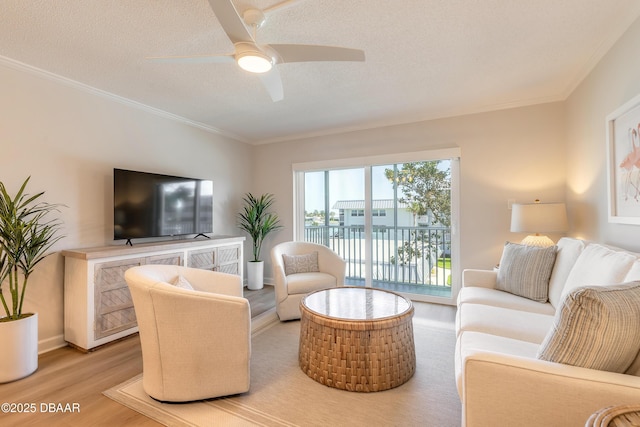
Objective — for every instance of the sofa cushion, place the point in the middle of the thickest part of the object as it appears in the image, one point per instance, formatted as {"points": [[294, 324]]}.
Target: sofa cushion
{"points": [[596, 327], [525, 270], [307, 263], [496, 298], [505, 322], [569, 249], [634, 272], [598, 265], [303, 283]]}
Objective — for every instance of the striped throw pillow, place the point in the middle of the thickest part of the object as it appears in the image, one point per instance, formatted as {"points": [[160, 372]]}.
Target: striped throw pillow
{"points": [[596, 327], [525, 270]]}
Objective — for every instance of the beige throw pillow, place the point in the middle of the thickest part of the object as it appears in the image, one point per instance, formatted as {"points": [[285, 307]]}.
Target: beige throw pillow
{"points": [[183, 283], [307, 263], [525, 270], [596, 327]]}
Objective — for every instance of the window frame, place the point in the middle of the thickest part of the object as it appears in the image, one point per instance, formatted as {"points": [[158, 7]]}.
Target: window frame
{"points": [[453, 154]]}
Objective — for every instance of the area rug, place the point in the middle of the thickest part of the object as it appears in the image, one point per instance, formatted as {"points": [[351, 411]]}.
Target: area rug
{"points": [[282, 395]]}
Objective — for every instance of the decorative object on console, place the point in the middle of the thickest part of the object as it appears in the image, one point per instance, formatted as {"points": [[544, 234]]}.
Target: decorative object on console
{"points": [[539, 218], [27, 233], [258, 222]]}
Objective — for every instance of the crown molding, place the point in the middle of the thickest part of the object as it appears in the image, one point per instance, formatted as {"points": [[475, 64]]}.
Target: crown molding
{"points": [[38, 72], [411, 119]]}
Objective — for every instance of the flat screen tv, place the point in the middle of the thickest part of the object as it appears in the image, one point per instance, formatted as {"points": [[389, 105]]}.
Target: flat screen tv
{"points": [[155, 205]]}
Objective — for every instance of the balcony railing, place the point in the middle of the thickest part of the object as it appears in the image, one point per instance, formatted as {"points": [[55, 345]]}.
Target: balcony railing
{"points": [[401, 255]]}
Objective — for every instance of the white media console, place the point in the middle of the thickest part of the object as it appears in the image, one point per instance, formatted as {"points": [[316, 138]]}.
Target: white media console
{"points": [[97, 303]]}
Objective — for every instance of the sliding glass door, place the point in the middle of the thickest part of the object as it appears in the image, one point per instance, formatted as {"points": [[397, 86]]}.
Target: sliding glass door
{"points": [[392, 222], [411, 219], [327, 194]]}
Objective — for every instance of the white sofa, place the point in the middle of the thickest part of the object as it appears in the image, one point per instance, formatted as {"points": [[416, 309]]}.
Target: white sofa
{"points": [[501, 381]]}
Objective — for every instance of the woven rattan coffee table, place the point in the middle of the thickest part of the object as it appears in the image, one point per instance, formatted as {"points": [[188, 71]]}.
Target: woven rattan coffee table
{"points": [[357, 339]]}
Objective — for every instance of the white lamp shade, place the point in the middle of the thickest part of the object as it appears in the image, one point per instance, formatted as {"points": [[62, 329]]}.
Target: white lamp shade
{"points": [[539, 218]]}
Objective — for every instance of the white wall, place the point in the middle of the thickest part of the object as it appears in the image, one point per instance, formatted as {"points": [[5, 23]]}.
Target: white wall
{"points": [[510, 154], [69, 141], [614, 81], [554, 152]]}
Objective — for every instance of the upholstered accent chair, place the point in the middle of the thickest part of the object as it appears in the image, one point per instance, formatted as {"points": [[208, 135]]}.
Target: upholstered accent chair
{"points": [[195, 332], [298, 271]]}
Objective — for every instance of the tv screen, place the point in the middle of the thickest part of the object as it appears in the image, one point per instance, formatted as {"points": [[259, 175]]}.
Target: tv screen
{"points": [[155, 205]]}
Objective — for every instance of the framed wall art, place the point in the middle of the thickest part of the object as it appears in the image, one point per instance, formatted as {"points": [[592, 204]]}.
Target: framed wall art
{"points": [[623, 163]]}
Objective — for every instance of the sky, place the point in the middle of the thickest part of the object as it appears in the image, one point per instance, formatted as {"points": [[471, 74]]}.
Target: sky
{"points": [[344, 184], [347, 184]]}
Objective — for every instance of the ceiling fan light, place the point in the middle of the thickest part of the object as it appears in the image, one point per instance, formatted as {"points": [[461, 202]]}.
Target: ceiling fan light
{"points": [[254, 62]]}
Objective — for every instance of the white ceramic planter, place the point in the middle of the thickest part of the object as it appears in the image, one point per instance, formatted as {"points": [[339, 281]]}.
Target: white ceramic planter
{"points": [[255, 273], [19, 354]]}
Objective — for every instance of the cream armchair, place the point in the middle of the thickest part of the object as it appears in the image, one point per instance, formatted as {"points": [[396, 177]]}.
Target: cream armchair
{"points": [[196, 343], [291, 288]]}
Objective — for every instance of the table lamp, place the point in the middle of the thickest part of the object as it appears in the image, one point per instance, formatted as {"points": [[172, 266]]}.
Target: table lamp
{"points": [[538, 218]]}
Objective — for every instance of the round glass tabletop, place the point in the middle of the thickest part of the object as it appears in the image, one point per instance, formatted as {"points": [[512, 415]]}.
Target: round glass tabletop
{"points": [[356, 303]]}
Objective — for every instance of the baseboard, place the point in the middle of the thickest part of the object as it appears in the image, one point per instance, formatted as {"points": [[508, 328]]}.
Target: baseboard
{"points": [[267, 281], [263, 320], [50, 344]]}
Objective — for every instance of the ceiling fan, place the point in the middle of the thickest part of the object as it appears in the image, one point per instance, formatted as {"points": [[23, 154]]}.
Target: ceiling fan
{"points": [[262, 59]]}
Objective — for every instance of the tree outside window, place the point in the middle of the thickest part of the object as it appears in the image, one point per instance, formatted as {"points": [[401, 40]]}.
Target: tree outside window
{"points": [[425, 188]]}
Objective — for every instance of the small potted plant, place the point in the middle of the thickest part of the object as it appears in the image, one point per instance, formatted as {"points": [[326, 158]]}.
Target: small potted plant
{"points": [[26, 235], [258, 222]]}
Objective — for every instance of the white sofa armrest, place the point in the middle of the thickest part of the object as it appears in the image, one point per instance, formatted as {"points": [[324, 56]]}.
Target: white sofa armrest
{"points": [[479, 278], [500, 389]]}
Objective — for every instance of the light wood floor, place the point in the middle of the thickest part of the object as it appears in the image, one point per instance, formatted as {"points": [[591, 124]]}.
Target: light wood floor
{"points": [[69, 376], [260, 300], [66, 376]]}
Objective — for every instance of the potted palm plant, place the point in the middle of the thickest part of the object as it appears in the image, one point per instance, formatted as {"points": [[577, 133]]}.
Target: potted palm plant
{"points": [[258, 222], [26, 234]]}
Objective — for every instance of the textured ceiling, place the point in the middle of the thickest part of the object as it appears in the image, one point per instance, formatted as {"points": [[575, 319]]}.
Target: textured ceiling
{"points": [[424, 58]]}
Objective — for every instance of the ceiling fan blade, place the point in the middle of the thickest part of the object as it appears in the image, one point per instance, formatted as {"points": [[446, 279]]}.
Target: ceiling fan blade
{"points": [[307, 53], [194, 59], [231, 21], [282, 5], [273, 83]]}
